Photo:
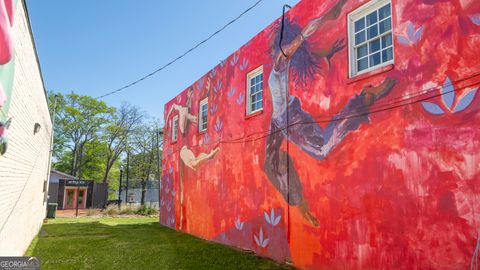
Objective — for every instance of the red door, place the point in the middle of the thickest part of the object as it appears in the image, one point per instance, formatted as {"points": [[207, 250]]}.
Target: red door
{"points": [[72, 195]]}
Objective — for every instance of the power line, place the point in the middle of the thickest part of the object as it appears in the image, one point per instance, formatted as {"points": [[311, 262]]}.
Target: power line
{"points": [[182, 55], [355, 113]]}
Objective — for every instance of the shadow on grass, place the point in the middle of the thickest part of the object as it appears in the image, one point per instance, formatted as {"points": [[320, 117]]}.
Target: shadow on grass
{"points": [[146, 245]]}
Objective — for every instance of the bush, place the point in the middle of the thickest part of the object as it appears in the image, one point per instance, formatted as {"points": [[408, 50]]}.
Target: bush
{"points": [[93, 212], [111, 210], [146, 211], [128, 209]]}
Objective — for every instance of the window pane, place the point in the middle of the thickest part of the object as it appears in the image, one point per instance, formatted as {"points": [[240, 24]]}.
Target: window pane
{"points": [[385, 26], [360, 37], [371, 18], [384, 12], [362, 64], [387, 54], [387, 41], [261, 76], [359, 25], [374, 45], [252, 81], [375, 59], [362, 51], [372, 32]]}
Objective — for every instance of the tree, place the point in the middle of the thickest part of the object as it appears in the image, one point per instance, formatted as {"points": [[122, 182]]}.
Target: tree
{"points": [[143, 156], [79, 121], [123, 122]]}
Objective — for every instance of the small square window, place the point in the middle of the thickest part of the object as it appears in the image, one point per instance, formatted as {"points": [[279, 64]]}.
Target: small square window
{"points": [[255, 91], [370, 37], [203, 113], [175, 128]]}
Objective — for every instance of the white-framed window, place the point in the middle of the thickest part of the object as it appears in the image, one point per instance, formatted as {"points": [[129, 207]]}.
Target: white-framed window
{"points": [[203, 115], [255, 90], [370, 39], [175, 128]]}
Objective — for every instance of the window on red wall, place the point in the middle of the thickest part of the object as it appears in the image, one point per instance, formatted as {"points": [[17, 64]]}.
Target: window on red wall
{"points": [[203, 113], [255, 91], [174, 128], [370, 37]]}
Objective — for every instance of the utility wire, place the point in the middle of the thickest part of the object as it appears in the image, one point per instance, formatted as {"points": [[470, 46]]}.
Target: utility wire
{"points": [[350, 115], [182, 55]]}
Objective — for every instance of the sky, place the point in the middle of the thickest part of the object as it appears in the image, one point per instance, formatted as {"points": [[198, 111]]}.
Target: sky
{"points": [[92, 47]]}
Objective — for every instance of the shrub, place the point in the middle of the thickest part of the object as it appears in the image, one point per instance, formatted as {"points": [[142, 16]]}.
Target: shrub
{"points": [[111, 210], [146, 211], [93, 212], [128, 209]]}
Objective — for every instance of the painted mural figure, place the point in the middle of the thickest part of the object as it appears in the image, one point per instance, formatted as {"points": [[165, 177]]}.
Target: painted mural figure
{"points": [[306, 133], [187, 156], [6, 68], [184, 115]]}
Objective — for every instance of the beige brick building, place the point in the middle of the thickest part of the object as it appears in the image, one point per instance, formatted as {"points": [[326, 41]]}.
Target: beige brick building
{"points": [[24, 167]]}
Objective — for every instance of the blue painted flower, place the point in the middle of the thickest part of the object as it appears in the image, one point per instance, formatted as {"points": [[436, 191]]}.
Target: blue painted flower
{"points": [[206, 139], [475, 19], [244, 65], [200, 85], [231, 92], [234, 60], [240, 99], [218, 125], [238, 224], [214, 108], [412, 35], [448, 97], [261, 242], [213, 73], [223, 62], [217, 87], [271, 219]]}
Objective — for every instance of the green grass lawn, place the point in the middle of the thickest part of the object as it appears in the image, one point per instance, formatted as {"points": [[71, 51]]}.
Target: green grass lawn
{"points": [[132, 243]]}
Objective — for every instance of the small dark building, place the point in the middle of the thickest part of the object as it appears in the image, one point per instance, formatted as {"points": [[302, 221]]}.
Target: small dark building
{"points": [[67, 190]]}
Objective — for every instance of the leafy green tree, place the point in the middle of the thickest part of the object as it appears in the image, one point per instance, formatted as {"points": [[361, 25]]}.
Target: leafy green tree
{"points": [[121, 124], [79, 121]]}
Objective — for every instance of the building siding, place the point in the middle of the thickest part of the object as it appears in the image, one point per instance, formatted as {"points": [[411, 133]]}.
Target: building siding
{"points": [[397, 190], [23, 168]]}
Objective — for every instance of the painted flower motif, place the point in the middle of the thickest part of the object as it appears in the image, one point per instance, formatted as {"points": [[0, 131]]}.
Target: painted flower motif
{"points": [[223, 62], [271, 219], [234, 60], [412, 35], [162, 202], [206, 139], [240, 99], [448, 95], [218, 125], [170, 170], [217, 87], [261, 242], [244, 64], [200, 85], [213, 73], [214, 108], [173, 192], [475, 18], [231, 92], [238, 224]]}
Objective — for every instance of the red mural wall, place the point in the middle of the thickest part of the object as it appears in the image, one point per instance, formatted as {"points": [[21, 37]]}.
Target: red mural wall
{"points": [[379, 170]]}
